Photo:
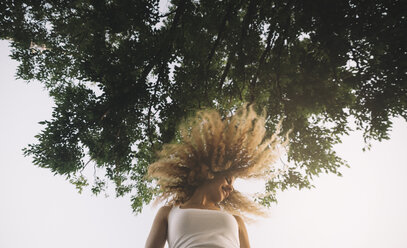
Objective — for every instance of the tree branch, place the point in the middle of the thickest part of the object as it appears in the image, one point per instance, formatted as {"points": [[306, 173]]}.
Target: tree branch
{"points": [[261, 64], [245, 25], [167, 42], [149, 111], [220, 33], [167, 14], [225, 72]]}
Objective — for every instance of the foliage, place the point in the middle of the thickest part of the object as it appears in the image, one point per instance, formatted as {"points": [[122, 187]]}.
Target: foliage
{"points": [[124, 75]]}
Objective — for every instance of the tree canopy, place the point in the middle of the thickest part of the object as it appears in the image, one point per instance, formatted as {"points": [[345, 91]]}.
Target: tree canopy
{"points": [[125, 74]]}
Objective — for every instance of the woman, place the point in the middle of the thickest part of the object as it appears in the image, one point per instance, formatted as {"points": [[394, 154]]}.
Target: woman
{"points": [[196, 177]]}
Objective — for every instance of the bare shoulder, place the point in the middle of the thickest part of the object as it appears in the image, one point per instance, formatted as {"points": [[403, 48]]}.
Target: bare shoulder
{"points": [[240, 223], [239, 220], [158, 232], [165, 208], [164, 211]]}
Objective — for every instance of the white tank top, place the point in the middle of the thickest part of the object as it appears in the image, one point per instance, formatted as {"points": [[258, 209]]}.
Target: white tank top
{"points": [[203, 228]]}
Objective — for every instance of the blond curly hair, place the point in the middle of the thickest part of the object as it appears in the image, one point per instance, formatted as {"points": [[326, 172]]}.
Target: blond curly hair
{"points": [[210, 145]]}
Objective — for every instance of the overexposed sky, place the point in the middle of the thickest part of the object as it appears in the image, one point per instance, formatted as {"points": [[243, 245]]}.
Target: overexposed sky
{"points": [[367, 207]]}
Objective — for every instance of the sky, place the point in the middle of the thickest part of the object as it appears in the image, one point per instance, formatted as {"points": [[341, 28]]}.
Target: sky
{"points": [[367, 207]]}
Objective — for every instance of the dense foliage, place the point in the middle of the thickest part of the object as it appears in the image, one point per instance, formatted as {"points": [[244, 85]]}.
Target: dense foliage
{"points": [[124, 74]]}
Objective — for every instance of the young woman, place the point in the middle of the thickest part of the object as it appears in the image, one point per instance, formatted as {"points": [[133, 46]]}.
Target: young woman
{"points": [[196, 177]]}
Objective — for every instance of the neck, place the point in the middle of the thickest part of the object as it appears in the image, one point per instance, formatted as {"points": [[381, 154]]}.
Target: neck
{"points": [[201, 200]]}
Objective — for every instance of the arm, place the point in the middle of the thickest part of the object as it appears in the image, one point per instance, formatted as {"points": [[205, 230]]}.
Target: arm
{"points": [[158, 232], [243, 237]]}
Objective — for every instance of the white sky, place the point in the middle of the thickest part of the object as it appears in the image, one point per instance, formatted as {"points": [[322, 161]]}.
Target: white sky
{"points": [[367, 207]]}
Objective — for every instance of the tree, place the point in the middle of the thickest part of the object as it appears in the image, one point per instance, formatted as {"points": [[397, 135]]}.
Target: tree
{"points": [[124, 75]]}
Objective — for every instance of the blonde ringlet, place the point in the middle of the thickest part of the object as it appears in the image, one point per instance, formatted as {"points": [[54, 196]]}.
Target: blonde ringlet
{"points": [[235, 145]]}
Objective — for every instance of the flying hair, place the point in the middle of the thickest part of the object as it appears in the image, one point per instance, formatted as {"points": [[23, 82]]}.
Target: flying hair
{"points": [[209, 145]]}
